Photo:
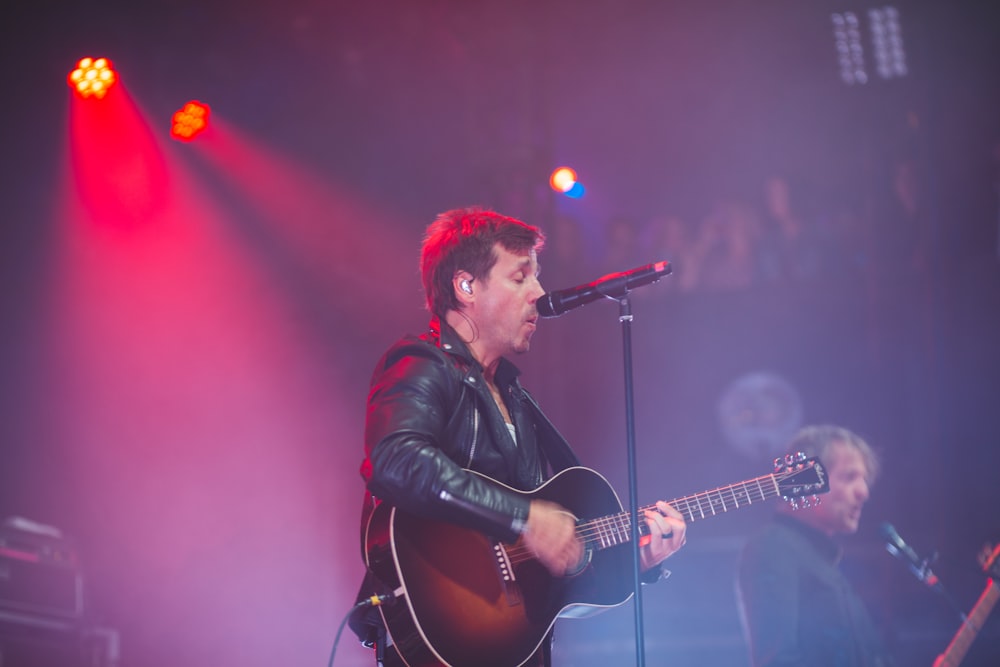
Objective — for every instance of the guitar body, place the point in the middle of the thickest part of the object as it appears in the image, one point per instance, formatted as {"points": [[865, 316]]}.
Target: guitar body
{"points": [[465, 599], [470, 600]]}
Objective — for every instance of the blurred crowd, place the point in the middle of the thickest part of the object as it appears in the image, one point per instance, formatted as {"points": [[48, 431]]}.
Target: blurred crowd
{"points": [[781, 236]]}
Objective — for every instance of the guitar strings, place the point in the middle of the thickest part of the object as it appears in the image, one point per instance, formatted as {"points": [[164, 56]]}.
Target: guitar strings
{"points": [[615, 529]]}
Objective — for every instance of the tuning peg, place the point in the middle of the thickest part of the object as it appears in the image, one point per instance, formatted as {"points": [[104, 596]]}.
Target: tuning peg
{"points": [[809, 501], [778, 464], [800, 457]]}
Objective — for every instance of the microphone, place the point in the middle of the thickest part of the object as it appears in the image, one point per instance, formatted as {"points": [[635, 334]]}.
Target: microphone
{"points": [[900, 549], [611, 286]]}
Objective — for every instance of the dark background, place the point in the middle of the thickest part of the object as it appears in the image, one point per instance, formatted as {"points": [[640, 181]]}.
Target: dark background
{"points": [[186, 344]]}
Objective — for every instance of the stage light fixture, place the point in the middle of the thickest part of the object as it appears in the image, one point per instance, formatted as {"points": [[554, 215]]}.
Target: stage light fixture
{"points": [[562, 179], [92, 77], [850, 52], [888, 55], [887, 42], [189, 121]]}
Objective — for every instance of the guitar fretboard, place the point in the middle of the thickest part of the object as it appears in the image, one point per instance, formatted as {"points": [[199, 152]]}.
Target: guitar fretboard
{"points": [[614, 529]]}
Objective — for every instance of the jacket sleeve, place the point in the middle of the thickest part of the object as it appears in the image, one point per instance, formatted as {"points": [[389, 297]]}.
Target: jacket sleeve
{"points": [[414, 394]]}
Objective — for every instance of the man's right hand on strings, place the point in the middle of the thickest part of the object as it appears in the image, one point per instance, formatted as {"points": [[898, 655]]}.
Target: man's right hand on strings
{"points": [[550, 534]]}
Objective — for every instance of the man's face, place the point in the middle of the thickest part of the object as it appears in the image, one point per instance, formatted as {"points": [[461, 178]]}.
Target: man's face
{"points": [[505, 312], [839, 511]]}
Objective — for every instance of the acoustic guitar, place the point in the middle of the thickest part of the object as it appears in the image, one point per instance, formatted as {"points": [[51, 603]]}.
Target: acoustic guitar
{"points": [[465, 599], [960, 643]]}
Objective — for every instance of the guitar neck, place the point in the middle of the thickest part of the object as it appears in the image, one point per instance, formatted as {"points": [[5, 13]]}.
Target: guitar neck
{"points": [[616, 529], [959, 646], [727, 498]]}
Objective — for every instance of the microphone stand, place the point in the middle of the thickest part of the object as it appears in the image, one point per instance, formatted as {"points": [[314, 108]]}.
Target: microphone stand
{"points": [[616, 286], [924, 574], [921, 569], [625, 317]]}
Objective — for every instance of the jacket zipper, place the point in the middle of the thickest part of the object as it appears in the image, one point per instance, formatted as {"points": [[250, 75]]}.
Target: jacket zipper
{"points": [[475, 434]]}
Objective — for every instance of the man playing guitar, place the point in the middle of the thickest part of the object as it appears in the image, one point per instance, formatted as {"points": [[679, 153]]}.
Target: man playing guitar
{"points": [[446, 411]]}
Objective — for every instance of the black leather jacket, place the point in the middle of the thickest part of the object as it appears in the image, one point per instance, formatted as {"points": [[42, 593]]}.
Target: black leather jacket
{"points": [[431, 417]]}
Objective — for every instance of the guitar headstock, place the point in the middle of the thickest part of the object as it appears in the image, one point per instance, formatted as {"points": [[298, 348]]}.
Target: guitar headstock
{"points": [[800, 479], [989, 558]]}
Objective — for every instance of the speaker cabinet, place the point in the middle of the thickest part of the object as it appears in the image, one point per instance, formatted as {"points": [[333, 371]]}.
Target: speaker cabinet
{"points": [[32, 640]]}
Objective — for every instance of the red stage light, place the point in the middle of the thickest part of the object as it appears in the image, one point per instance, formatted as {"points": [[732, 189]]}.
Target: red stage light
{"points": [[92, 78], [189, 121]]}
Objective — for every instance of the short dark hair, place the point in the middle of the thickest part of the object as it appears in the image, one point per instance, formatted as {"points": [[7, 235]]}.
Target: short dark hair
{"points": [[464, 239], [819, 440]]}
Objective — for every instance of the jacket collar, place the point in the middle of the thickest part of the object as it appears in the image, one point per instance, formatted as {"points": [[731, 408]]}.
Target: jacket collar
{"points": [[448, 340], [825, 545]]}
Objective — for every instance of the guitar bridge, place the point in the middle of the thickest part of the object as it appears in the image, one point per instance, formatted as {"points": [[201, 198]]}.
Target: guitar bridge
{"points": [[505, 572]]}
